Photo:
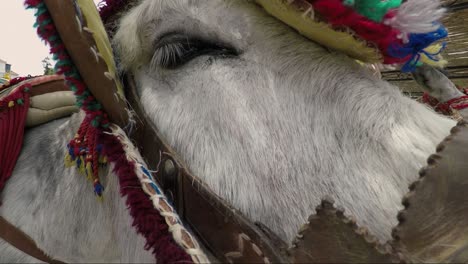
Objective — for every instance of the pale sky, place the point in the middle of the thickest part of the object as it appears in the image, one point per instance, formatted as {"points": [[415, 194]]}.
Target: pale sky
{"points": [[19, 44]]}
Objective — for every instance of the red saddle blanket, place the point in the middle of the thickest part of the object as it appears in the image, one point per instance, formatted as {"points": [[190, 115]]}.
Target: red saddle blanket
{"points": [[14, 106]]}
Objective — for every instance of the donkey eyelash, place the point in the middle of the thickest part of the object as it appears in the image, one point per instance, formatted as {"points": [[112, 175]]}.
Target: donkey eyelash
{"points": [[168, 56], [176, 50]]}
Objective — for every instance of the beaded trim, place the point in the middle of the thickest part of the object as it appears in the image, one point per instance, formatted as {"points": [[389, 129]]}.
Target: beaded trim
{"points": [[180, 234], [14, 96], [84, 151]]}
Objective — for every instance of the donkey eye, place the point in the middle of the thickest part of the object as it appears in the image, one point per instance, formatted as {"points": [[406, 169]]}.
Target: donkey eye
{"points": [[175, 50]]}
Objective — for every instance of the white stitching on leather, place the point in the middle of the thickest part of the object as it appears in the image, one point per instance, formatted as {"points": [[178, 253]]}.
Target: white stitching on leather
{"points": [[241, 246], [87, 29], [257, 250], [181, 236], [109, 76], [95, 53], [80, 26], [309, 13]]}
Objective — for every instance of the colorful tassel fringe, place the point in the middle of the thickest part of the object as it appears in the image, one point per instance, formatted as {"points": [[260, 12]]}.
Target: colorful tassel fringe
{"points": [[373, 9], [84, 151], [416, 16], [94, 142], [148, 222], [416, 46], [403, 31]]}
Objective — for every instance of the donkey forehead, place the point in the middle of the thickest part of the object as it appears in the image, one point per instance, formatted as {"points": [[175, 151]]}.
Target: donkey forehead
{"points": [[214, 15], [228, 21]]}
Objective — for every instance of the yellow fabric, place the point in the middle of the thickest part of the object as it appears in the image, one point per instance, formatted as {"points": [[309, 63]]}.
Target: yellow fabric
{"points": [[434, 49], [53, 100], [320, 32], [101, 38], [38, 116]]}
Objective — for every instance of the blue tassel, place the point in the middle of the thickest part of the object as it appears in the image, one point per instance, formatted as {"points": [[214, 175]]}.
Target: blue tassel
{"points": [[416, 45], [98, 189], [70, 152], [412, 64], [417, 42]]}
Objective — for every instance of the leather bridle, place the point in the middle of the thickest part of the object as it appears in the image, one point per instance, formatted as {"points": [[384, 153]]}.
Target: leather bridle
{"points": [[206, 213], [202, 210], [199, 207]]}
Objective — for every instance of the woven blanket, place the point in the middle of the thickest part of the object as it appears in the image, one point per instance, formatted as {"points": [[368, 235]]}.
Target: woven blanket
{"points": [[15, 102]]}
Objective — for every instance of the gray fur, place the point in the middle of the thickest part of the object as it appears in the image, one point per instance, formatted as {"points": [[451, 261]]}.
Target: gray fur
{"points": [[56, 206], [272, 131], [436, 83]]}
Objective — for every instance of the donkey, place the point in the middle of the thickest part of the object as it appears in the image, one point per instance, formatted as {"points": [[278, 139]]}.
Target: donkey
{"points": [[269, 120]]}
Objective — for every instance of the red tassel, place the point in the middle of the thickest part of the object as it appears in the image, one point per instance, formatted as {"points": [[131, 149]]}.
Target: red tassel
{"points": [[85, 147], [338, 15]]}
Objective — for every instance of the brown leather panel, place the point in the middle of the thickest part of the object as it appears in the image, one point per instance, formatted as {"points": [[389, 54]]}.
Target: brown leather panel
{"points": [[274, 239], [49, 87], [224, 229], [225, 232], [78, 44], [330, 237], [21, 241], [434, 225]]}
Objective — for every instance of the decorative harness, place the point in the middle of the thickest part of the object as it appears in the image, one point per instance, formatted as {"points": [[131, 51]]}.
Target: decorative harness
{"points": [[242, 241], [226, 235]]}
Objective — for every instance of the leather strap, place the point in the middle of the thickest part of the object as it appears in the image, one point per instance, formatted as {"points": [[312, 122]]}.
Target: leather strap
{"points": [[23, 242], [80, 45], [205, 212]]}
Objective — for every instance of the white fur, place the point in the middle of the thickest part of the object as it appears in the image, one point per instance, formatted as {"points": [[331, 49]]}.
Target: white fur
{"points": [[272, 131], [417, 16], [285, 123]]}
